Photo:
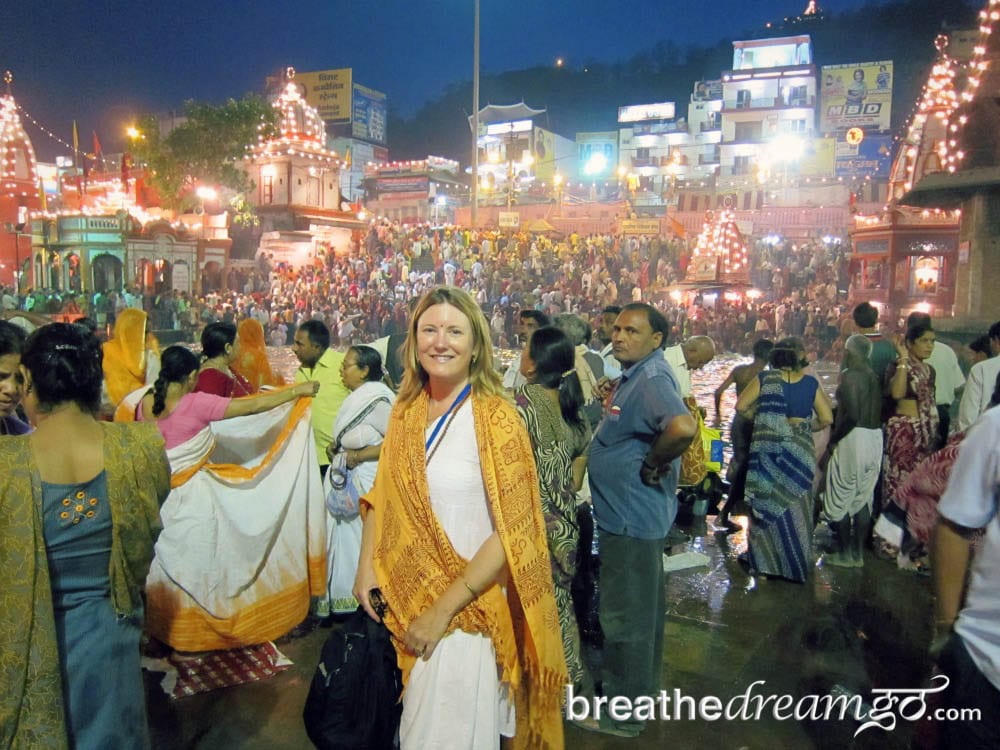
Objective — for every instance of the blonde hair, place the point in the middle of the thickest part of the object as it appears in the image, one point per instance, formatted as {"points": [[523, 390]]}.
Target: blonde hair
{"points": [[482, 374]]}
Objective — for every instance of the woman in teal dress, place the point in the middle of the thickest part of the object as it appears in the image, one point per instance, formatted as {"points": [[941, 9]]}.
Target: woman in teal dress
{"points": [[80, 499], [550, 406]]}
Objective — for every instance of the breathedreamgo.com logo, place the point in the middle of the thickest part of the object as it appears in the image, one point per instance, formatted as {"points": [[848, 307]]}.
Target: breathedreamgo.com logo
{"points": [[887, 706]]}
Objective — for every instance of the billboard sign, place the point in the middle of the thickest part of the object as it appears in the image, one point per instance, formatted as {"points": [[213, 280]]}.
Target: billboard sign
{"points": [[871, 157], [402, 187], [640, 226], [369, 115], [707, 90], [509, 219], [597, 153], [329, 91], [856, 96], [640, 112]]}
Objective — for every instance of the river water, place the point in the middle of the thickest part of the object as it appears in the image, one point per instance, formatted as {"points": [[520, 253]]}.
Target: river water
{"points": [[703, 382]]}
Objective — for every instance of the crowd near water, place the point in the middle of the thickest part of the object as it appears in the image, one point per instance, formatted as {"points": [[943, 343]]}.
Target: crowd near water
{"points": [[588, 370]]}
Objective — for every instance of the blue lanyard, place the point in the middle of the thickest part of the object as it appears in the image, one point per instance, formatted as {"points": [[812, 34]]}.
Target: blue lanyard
{"points": [[456, 402]]}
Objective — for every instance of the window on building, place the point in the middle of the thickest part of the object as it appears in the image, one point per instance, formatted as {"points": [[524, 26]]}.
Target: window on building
{"points": [[642, 153], [741, 165], [743, 99], [797, 96], [267, 189], [796, 126], [747, 131]]}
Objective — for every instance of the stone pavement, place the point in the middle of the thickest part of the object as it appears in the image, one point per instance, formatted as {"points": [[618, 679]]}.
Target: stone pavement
{"points": [[845, 630]]}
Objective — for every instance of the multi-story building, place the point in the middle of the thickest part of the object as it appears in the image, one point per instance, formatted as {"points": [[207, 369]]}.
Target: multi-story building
{"points": [[768, 113]]}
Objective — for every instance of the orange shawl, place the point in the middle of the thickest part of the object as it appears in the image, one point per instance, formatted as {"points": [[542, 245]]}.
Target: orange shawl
{"points": [[415, 562], [252, 361], [124, 367]]}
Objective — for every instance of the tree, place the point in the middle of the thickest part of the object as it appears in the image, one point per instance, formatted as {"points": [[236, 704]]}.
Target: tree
{"points": [[206, 148]]}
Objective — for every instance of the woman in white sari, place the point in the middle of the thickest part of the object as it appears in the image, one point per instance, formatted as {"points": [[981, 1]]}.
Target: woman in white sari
{"points": [[243, 529], [358, 432]]}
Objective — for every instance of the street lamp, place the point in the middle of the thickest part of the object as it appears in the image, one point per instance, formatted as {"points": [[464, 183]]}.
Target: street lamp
{"points": [[557, 183]]}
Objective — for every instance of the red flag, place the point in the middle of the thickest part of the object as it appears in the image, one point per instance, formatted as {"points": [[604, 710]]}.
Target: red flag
{"points": [[76, 143], [98, 154]]}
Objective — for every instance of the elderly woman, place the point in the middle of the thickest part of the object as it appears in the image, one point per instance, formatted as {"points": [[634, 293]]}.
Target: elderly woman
{"points": [[578, 332], [455, 539], [783, 462], [358, 432], [220, 351], [81, 515]]}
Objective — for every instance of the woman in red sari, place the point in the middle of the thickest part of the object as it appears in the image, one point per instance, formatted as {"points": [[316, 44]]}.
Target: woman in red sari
{"points": [[219, 351], [911, 433]]}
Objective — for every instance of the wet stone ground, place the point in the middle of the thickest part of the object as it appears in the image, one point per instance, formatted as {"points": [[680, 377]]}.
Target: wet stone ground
{"points": [[844, 631]]}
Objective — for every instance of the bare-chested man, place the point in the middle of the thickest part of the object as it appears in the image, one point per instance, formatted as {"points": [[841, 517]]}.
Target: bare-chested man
{"points": [[741, 430], [855, 454]]}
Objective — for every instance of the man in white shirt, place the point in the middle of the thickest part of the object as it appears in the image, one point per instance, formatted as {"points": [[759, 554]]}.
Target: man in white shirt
{"points": [[980, 383], [528, 322], [688, 356], [968, 627], [612, 368]]}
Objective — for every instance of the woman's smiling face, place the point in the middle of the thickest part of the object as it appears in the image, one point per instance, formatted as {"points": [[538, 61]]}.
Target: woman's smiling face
{"points": [[445, 343]]}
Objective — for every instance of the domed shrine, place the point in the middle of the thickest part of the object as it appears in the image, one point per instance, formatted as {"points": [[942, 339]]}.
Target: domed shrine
{"points": [[19, 191], [297, 185]]}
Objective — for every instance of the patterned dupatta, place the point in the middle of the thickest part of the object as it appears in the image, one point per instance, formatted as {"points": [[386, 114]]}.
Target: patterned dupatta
{"points": [[415, 562]]}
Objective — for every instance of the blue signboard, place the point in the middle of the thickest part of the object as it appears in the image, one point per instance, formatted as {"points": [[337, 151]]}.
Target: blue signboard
{"points": [[870, 158], [370, 114]]}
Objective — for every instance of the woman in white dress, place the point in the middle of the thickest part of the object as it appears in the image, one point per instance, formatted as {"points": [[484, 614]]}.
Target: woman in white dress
{"points": [[455, 539], [358, 432]]}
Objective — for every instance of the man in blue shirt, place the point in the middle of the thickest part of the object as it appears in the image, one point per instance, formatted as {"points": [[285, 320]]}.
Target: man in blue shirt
{"points": [[633, 470]]}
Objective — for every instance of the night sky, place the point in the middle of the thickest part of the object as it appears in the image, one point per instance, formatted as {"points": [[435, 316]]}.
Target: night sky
{"points": [[103, 63]]}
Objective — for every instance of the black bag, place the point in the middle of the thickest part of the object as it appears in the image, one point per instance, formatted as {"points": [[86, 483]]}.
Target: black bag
{"points": [[354, 699]]}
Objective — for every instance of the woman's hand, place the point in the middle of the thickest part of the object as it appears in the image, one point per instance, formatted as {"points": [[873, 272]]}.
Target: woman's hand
{"points": [[900, 343], [364, 582], [426, 631], [351, 458]]}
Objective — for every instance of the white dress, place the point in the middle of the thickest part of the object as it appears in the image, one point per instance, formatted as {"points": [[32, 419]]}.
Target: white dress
{"points": [[455, 700]]}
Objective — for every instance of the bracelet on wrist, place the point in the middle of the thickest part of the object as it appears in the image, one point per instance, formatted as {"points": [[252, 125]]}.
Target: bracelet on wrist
{"points": [[475, 594], [650, 466]]}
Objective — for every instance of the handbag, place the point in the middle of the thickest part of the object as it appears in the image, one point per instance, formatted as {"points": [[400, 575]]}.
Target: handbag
{"points": [[342, 498], [354, 698]]}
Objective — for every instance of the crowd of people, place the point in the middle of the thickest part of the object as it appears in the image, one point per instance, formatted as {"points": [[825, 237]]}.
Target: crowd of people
{"points": [[470, 530]]}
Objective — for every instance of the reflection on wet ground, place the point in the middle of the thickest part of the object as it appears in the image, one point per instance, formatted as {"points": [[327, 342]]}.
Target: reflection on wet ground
{"points": [[845, 631]]}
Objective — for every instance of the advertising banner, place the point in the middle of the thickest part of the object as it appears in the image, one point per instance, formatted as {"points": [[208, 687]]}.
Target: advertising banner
{"points": [[818, 158], [369, 115], [402, 187], [509, 219], [597, 153], [872, 157], [856, 95], [707, 90], [329, 91]]}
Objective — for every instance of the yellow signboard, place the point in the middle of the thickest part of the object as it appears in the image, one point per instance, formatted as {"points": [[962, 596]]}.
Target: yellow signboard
{"points": [[329, 91], [640, 226]]}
